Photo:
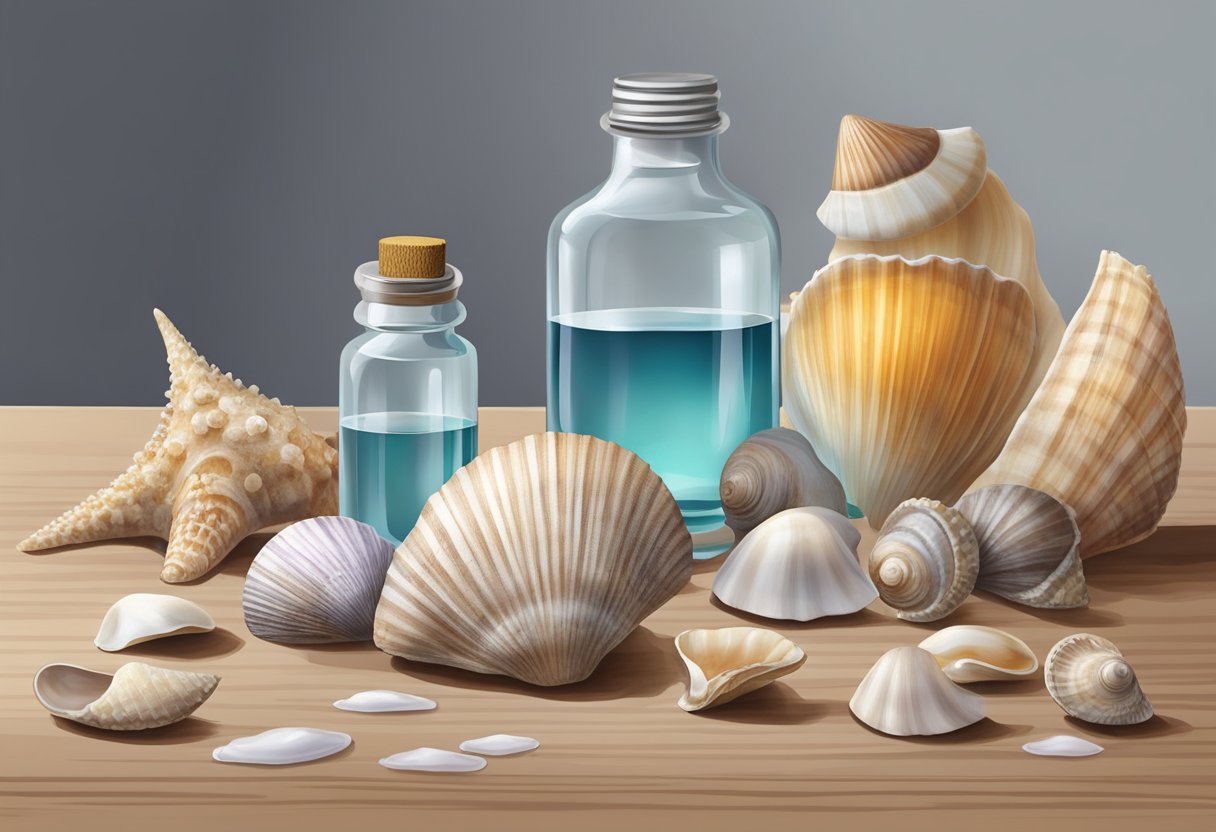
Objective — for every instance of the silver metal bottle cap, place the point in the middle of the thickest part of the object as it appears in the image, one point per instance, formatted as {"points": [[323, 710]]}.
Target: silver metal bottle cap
{"points": [[665, 105], [376, 288]]}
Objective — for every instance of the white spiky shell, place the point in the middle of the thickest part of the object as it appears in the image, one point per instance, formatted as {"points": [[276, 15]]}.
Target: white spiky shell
{"points": [[535, 560], [771, 471], [144, 616], [726, 663], [136, 697], [906, 693], [798, 565], [1103, 433], [1029, 546], [971, 653], [317, 580], [1090, 679], [907, 376]]}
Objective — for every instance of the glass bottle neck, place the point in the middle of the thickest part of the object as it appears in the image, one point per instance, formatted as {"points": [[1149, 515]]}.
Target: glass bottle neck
{"points": [[664, 157], [386, 317]]}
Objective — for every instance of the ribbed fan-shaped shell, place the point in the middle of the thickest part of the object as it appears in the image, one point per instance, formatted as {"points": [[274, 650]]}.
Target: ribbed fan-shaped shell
{"points": [[771, 471], [907, 376], [1088, 677], [318, 580], [724, 664], [1103, 433], [535, 560], [906, 693], [136, 697]]}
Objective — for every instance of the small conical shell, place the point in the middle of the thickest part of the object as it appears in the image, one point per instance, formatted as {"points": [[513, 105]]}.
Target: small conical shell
{"points": [[971, 653], [798, 565], [925, 560], [907, 376], [535, 560], [906, 694], [317, 580], [1088, 677], [1029, 546], [727, 663], [137, 697], [1103, 434], [892, 181], [145, 616], [771, 471]]}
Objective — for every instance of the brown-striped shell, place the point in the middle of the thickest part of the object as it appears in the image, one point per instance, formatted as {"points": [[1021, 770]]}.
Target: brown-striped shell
{"points": [[774, 470]]}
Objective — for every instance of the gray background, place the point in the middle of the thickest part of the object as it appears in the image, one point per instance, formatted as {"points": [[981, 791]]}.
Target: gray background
{"points": [[232, 162]]}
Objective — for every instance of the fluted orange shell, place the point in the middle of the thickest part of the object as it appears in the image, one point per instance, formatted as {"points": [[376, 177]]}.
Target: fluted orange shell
{"points": [[1103, 433], [907, 376]]}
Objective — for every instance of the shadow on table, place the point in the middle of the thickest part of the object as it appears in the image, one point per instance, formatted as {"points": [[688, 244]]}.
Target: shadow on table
{"points": [[215, 644], [985, 730], [1156, 726], [775, 704], [1178, 562], [190, 729], [862, 618]]}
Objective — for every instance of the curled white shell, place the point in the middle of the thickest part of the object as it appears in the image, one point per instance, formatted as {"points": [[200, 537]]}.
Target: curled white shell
{"points": [[727, 663], [906, 693], [1088, 677], [1029, 546], [774, 470], [798, 565], [925, 560], [136, 697], [144, 616], [535, 560], [317, 580], [971, 653]]}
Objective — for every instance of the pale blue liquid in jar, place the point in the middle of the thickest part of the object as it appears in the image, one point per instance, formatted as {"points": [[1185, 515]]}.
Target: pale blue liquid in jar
{"points": [[393, 462], [679, 387]]}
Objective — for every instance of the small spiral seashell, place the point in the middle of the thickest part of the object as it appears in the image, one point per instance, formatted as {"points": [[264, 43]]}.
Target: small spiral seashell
{"points": [[925, 560], [1090, 679], [772, 471]]}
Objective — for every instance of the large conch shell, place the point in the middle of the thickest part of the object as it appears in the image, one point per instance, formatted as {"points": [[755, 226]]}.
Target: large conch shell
{"points": [[1088, 677], [906, 693], [971, 653], [1029, 546], [771, 471], [907, 376], [925, 560], [223, 462], [727, 663], [136, 697], [1103, 434], [798, 565], [535, 560], [987, 228], [144, 616]]}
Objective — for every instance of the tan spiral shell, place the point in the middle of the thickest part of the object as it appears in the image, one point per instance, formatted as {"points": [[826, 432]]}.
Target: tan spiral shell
{"points": [[1090, 679], [772, 471]]}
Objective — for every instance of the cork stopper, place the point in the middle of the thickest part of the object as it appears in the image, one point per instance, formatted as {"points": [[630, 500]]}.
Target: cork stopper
{"points": [[418, 258]]}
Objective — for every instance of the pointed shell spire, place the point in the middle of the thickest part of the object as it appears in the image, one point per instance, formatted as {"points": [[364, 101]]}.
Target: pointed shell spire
{"points": [[906, 694], [1090, 679]]}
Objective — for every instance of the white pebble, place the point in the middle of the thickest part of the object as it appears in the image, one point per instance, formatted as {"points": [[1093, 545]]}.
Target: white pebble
{"points": [[282, 746], [498, 745], [1063, 746], [433, 759], [384, 701]]}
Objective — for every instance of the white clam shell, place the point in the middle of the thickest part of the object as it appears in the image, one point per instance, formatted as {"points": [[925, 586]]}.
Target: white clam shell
{"points": [[500, 745], [384, 701], [282, 746], [906, 693], [317, 580], [971, 653], [1090, 679], [724, 664], [798, 565], [1062, 745], [136, 697], [433, 759], [145, 616]]}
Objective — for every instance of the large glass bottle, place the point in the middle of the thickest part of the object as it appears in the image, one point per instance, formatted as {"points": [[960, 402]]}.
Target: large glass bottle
{"points": [[663, 296], [408, 387]]}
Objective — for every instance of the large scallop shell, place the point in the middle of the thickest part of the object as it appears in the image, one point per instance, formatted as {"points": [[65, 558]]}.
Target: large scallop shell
{"points": [[144, 616], [907, 376], [891, 181], [535, 560], [318, 580], [925, 560], [1088, 677], [771, 471], [1029, 546], [906, 693], [1103, 434], [727, 663], [798, 565], [136, 697], [971, 653]]}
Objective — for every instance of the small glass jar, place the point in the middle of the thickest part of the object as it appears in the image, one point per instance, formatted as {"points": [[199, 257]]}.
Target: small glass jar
{"points": [[407, 389]]}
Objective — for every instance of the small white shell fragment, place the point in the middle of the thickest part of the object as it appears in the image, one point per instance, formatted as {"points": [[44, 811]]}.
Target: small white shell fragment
{"points": [[282, 746], [383, 701], [499, 745], [433, 759], [1063, 745], [144, 616]]}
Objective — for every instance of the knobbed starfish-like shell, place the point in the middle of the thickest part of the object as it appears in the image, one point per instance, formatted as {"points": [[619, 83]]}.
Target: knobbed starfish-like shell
{"points": [[223, 462]]}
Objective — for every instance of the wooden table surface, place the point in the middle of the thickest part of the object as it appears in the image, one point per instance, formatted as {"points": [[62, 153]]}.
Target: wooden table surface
{"points": [[615, 749]]}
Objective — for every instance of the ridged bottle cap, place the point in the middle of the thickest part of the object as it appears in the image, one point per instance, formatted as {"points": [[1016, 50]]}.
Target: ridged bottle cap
{"points": [[665, 104], [414, 258]]}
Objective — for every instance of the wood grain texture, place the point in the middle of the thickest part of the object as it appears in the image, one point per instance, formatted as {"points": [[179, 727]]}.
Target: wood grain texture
{"points": [[616, 749]]}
